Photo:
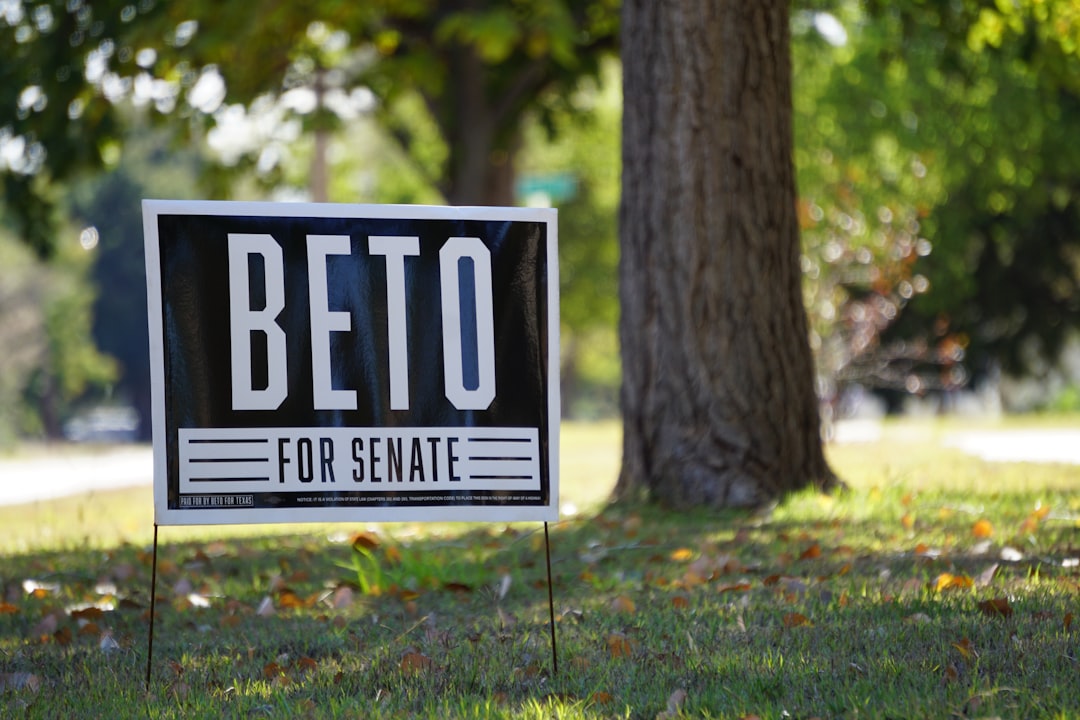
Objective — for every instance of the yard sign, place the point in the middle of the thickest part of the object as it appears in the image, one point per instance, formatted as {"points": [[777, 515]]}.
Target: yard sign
{"points": [[318, 362]]}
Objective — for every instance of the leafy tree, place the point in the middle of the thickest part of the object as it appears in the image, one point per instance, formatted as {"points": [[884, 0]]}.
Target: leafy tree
{"points": [[476, 69], [578, 164], [951, 121], [718, 389]]}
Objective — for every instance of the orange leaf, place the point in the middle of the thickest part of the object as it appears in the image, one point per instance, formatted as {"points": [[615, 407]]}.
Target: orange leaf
{"points": [[289, 600], [908, 521], [680, 602], [811, 553], [737, 587], [306, 664], [600, 698], [682, 555], [796, 620], [1040, 512], [1068, 621], [62, 636], [272, 669], [906, 499], [8, 609], [414, 662], [90, 629], [619, 645], [982, 529], [623, 604], [365, 541]]}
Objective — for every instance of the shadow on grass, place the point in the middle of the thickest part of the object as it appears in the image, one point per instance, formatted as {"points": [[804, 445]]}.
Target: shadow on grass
{"points": [[817, 609]]}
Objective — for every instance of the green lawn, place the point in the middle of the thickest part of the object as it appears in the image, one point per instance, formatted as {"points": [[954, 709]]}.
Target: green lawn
{"points": [[936, 586]]}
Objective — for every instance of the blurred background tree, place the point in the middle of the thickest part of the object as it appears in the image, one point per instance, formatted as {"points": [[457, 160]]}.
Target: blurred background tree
{"points": [[938, 183]]}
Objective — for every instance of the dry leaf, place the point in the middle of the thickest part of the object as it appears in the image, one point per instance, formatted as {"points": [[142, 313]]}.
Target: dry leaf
{"points": [[796, 620], [737, 587], [986, 576], [623, 604], [266, 608], [1068, 621], [948, 581], [290, 601], [62, 636], [306, 664], [680, 602], [675, 701], [966, 648], [600, 698], [415, 662], [619, 645], [11, 682], [997, 607], [682, 555], [8, 609], [908, 521], [982, 529], [272, 670], [364, 541], [811, 553]]}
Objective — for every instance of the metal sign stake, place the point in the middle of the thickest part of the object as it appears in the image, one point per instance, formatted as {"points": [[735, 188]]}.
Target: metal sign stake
{"points": [[153, 605]]}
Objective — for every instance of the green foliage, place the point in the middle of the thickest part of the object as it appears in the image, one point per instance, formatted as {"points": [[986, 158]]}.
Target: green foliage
{"points": [[957, 115]]}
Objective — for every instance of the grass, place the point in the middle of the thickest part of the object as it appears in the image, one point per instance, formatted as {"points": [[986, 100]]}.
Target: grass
{"points": [[936, 586]]}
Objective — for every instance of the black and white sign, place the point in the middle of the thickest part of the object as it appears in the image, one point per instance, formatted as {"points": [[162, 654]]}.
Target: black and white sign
{"points": [[315, 362]]}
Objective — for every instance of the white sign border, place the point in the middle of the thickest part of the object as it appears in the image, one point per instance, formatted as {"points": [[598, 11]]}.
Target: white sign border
{"points": [[163, 515]]}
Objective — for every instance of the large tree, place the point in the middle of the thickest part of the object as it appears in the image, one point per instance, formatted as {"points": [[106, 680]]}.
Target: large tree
{"points": [[718, 386]]}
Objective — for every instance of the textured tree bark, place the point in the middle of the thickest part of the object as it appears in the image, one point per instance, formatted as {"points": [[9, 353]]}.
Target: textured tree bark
{"points": [[718, 388]]}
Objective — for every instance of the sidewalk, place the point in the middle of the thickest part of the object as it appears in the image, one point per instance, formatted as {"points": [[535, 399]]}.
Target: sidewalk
{"points": [[70, 472]]}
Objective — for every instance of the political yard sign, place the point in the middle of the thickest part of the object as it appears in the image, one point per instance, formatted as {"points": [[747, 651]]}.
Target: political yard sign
{"points": [[319, 362]]}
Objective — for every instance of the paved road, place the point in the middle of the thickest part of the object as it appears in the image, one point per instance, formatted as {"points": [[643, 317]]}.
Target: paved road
{"points": [[25, 480]]}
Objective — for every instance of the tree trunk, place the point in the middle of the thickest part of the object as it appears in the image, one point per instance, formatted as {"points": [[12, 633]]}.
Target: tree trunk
{"points": [[718, 387]]}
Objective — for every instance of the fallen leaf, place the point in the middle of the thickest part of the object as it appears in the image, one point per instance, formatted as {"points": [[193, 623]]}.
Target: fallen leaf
{"points": [[266, 608], [680, 602], [811, 553], [682, 555], [62, 636], [619, 645], [415, 662], [965, 648], [289, 600], [918, 618], [796, 620], [982, 529], [364, 541], [1068, 621], [89, 629], [986, 577], [306, 664], [948, 581], [623, 604], [272, 670], [12, 682], [997, 607], [907, 521], [737, 587], [600, 698], [675, 701], [8, 609]]}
